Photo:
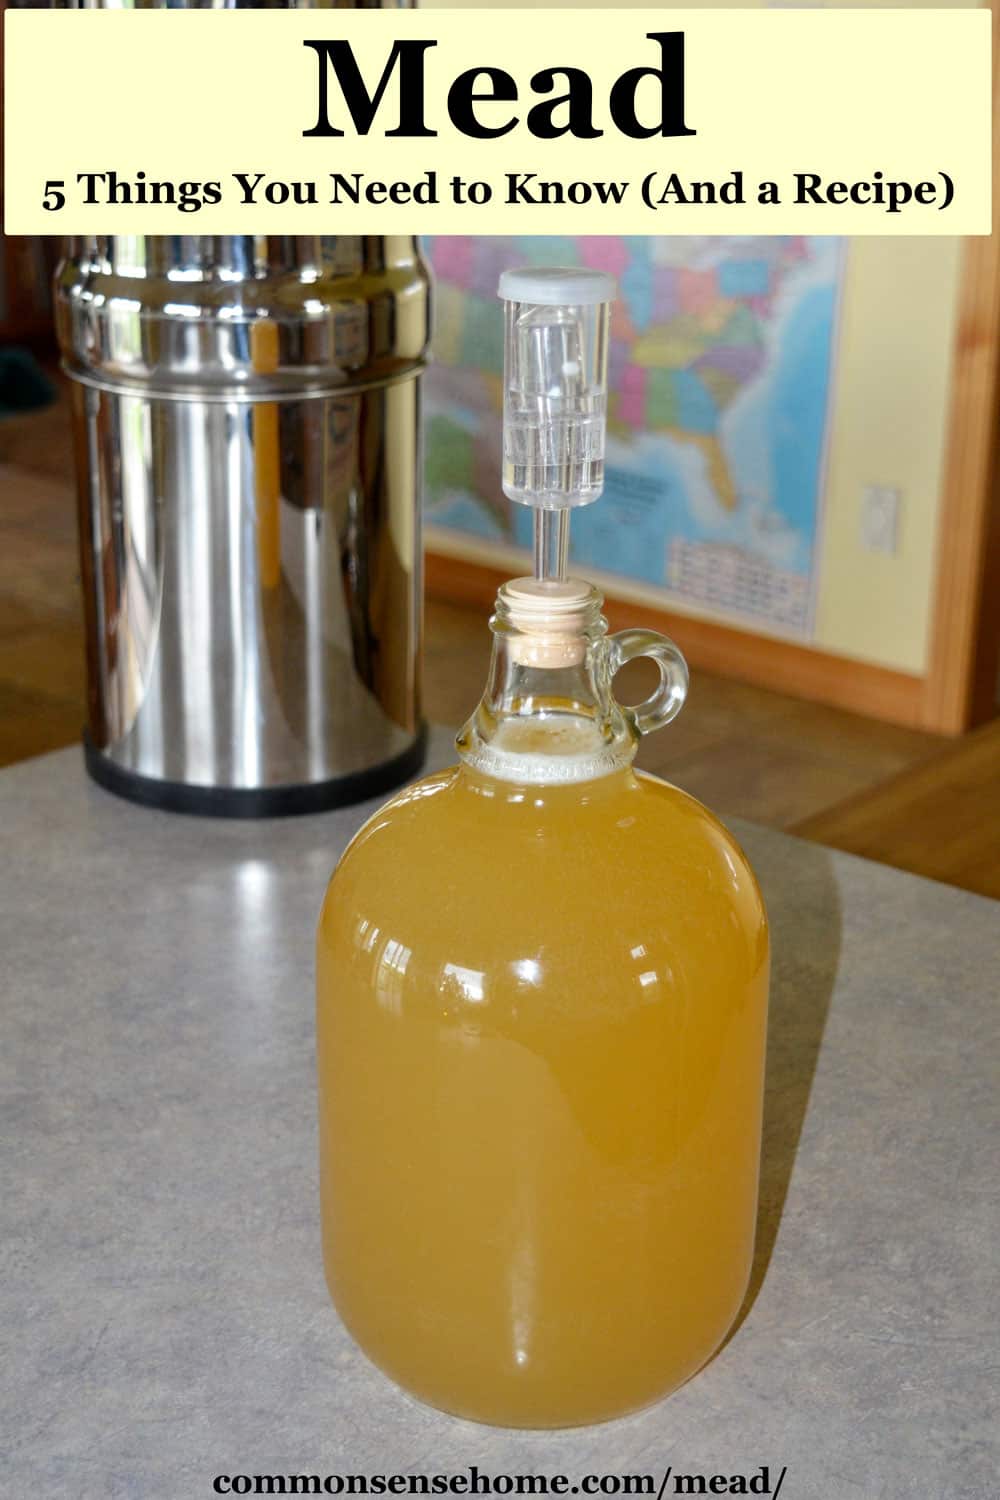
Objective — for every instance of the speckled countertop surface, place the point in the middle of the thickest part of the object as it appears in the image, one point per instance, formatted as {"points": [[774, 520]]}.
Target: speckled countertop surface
{"points": [[163, 1317]]}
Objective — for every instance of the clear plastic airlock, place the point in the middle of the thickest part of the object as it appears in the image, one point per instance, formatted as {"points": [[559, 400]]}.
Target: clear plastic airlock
{"points": [[555, 384], [555, 397]]}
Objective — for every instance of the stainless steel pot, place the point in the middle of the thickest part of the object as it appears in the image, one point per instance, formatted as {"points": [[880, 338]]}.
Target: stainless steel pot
{"points": [[247, 437]]}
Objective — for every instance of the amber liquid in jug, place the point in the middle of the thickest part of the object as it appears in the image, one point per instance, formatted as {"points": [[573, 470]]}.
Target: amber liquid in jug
{"points": [[542, 990]]}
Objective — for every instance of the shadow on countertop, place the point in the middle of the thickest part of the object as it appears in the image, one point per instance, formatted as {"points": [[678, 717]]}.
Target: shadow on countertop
{"points": [[804, 909]]}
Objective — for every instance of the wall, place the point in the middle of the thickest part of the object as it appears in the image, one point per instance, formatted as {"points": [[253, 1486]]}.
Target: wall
{"points": [[889, 413]]}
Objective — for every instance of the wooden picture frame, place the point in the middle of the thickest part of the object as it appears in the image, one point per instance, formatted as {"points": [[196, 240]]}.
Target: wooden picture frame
{"points": [[960, 686]]}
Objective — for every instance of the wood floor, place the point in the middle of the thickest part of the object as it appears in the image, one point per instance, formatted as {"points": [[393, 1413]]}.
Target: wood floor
{"points": [[895, 795], [940, 819]]}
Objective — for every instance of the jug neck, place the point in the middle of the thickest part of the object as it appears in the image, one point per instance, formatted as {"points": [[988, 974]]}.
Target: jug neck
{"points": [[547, 713]]}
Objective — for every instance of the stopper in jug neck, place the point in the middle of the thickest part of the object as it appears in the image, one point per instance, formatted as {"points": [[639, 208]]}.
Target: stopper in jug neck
{"points": [[549, 620]]}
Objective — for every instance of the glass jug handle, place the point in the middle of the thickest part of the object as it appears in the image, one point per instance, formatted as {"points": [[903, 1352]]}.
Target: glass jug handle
{"points": [[667, 701]]}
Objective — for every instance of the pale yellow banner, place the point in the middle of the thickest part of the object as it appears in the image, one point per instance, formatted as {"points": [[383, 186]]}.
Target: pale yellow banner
{"points": [[803, 121]]}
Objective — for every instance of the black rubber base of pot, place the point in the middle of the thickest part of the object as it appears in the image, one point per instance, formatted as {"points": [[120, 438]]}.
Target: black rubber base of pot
{"points": [[254, 802]]}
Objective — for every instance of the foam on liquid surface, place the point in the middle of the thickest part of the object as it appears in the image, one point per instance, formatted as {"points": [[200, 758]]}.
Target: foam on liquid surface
{"points": [[560, 748]]}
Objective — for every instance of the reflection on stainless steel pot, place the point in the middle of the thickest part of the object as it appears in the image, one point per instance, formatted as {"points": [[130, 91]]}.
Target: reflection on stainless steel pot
{"points": [[247, 437]]}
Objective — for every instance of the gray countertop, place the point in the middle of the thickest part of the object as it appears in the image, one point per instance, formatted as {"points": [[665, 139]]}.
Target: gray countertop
{"points": [[164, 1317]]}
